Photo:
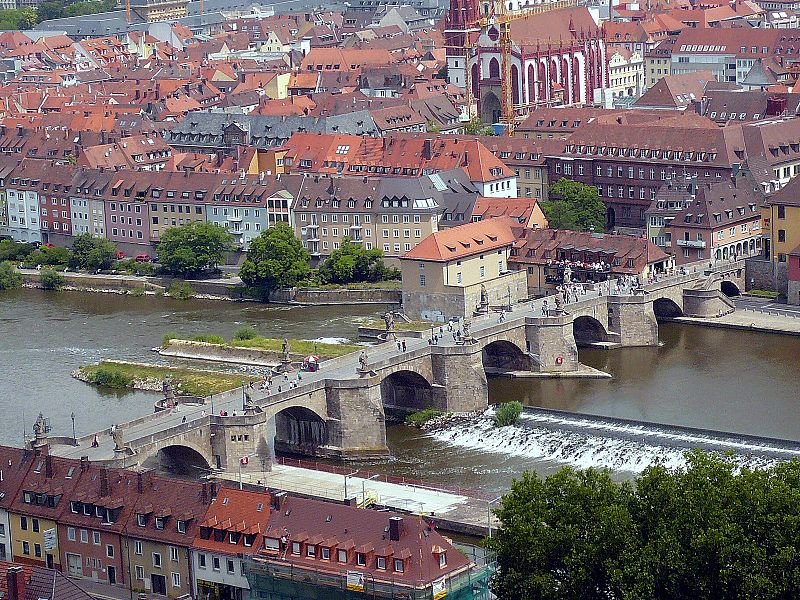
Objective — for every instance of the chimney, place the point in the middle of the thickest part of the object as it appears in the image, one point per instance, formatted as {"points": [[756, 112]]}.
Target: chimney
{"points": [[84, 463], [48, 466], [15, 580], [105, 489], [427, 149], [277, 499], [395, 526], [466, 158], [140, 483]]}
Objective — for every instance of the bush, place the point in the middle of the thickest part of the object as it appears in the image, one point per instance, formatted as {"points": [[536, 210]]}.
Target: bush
{"points": [[180, 290], [762, 294], [10, 278], [419, 418], [136, 292], [51, 279], [508, 414], [209, 338], [111, 377], [245, 333], [168, 337]]}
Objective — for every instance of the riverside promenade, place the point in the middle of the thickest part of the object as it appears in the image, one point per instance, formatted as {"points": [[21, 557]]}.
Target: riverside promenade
{"points": [[457, 510]]}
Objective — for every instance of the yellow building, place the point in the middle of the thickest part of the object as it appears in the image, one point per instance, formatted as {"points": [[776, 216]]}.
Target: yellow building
{"points": [[781, 228], [456, 271]]}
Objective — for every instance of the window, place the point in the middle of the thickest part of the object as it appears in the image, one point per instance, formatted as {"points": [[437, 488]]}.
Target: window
{"points": [[361, 559], [84, 536], [215, 563], [781, 235], [159, 523], [35, 525], [71, 534], [483, 271], [137, 547], [26, 548], [458, 277], [37, 550], [442, 559], [781, 211], [176, 580], [156, 559], [399, 566], [181, 526], [23, 523], [341, 556], [201, 560], [109, 551], [230, 566], [139, 573], [325, 553], [174, 554], [96, 537], [422, 280], [380, 562], [141, 520]]}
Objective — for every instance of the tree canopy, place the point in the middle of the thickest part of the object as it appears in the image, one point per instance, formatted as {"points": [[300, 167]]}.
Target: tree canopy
{"points": [[89, 252], [574, 205], [276, 259], [352, 263], [188, 250], [708, 531]]}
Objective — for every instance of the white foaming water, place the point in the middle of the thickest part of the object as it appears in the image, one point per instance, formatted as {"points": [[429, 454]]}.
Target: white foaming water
{"points": [[331, 340], [608, 445]]}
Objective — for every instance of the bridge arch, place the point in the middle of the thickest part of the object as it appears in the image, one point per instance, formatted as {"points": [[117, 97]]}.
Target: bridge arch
{"points": [[588, 330], [300, 430], [666, 308], [504, 355], [729, 288], [404, 392], [183, 459]]}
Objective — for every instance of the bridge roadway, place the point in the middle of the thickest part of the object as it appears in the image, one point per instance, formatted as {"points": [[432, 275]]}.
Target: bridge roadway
{"points": [[145, 430]]}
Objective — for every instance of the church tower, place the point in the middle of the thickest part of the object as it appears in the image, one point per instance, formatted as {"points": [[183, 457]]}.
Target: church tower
{"points": [[460, 22]]}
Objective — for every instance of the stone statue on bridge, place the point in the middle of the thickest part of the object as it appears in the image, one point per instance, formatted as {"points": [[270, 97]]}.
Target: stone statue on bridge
{"points": [[285, 348], [567, 274], [40, 428], [116, 435], [389, 320], [362, 362], [169, 392], [467, 332]]}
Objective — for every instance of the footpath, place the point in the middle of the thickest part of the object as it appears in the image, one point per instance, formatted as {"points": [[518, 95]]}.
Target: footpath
{"points": [[750, 320], [460, 512]]}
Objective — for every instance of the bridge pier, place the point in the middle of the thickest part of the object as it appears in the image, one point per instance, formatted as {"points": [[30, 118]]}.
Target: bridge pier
{"points": [[356, 419], [459, 378], [632, 319], [551, 343]]}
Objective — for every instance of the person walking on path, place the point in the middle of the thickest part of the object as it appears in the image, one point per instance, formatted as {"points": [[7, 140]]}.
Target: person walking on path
{"points": [[404, 345]]}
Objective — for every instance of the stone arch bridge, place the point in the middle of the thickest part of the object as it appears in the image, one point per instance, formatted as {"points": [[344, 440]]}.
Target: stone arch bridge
{"points": [[341, 411]]}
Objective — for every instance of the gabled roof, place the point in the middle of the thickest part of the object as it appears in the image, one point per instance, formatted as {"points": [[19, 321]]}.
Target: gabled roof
{"points": [[464, 241], [43, 584]]}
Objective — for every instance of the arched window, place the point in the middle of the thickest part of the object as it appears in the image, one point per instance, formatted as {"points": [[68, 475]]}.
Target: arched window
{"points": [[494, 69]]}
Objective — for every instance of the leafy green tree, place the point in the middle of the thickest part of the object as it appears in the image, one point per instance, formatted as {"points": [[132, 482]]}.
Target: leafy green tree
{"points": [[89, 252], [49, 256], [15, 251], [352, 263], [51, 279], [476, 127], [574, 205], [276, 259], [709, 531], [188, 250], [10, 278]]}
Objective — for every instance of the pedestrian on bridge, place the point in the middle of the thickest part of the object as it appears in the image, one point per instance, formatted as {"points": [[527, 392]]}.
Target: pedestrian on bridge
{"points": [[404, 345]]}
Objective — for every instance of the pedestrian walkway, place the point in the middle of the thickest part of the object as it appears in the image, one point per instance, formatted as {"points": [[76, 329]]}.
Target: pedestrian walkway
{"points": [[458, 512]]}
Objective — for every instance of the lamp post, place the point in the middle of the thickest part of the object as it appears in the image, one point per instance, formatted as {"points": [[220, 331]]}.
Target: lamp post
{"points": [[345, 482], [364, 487], [489, 513], [72, 416]]}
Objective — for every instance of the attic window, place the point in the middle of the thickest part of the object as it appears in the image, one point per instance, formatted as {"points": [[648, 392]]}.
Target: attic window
{"points": [[181, 526], [159, 522]]}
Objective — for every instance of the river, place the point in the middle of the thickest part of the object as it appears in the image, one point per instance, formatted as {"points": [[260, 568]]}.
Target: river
{"points": [[699, 377]]}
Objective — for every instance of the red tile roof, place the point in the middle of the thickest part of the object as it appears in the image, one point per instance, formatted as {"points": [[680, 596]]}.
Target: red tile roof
{"points": [[464, 241]]}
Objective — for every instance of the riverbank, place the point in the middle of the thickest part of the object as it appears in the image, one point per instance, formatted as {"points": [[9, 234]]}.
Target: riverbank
{"points": [[148, 377], [749, 320], [223, 289]]}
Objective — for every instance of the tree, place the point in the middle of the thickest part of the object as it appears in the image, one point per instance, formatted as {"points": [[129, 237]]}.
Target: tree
{"points": [[710, 530], [51, 279], [476, 127], [89, 252], [351, 263], [188, 250], [15, 251], [574, 205], [276, 259], [10, 278]]}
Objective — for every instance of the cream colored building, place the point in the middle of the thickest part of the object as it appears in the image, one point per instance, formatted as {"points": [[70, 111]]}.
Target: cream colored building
{"points": [[625, 75], [446, 274]]}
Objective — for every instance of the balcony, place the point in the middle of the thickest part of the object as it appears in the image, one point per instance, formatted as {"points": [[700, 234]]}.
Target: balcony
{"points": [[311, 226], [691, 243], [234, 219]]}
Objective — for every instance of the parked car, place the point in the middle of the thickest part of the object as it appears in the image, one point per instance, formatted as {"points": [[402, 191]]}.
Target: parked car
{"points": [[120, 255], [143, 258]]}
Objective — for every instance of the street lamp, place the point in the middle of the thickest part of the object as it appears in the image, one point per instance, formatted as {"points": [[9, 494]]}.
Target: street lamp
{"points": [[345, 482], [489, 513], [74, 439], [364, 488]]}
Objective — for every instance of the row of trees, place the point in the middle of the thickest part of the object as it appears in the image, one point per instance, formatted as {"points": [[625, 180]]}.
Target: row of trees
{"points": [[28, 17], [708, 531]]}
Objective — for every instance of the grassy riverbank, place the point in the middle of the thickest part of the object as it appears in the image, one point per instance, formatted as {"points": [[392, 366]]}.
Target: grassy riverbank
{"points": [[193, 382], [297, 347]]}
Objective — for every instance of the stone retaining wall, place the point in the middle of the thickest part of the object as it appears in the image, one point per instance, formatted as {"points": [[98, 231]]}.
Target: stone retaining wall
{"points": [[217, 353], [343, 296]]}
